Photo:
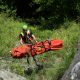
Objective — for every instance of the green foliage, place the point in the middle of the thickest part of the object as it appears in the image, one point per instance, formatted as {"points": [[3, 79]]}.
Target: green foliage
{"points": [[17, 69], [49, 13], [7, 6], [55, 12], [48, 9], [55, 63], [11, 28]]}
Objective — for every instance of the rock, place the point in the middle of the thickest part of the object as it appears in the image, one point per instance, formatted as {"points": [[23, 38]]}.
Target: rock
{"points": [[73, 73], [6, 75]]}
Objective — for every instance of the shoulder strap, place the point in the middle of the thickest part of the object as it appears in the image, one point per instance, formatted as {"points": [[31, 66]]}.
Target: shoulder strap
{"points": [[22, 33]]}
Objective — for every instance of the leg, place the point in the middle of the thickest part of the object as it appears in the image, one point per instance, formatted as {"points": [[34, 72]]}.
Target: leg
{"points": [[28, 60], [38, 64], [28, 71], [36, 60]]}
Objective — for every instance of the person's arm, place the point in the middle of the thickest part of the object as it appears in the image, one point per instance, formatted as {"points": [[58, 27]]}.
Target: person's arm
{"points": [[21, 41], [34, 37]]}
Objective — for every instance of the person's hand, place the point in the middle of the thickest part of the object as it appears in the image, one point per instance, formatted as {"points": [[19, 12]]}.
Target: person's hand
{"points": [[10, 51], [36, 41]]}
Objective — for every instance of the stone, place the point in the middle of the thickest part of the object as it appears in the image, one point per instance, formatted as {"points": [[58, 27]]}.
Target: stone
{"points": [[7, 75]]}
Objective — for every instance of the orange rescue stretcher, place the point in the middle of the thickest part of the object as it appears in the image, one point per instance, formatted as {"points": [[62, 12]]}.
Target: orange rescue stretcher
{"points": [[36, 49]]}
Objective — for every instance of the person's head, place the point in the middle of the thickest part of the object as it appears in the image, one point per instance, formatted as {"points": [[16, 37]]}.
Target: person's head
{"points": [[24, 28]]}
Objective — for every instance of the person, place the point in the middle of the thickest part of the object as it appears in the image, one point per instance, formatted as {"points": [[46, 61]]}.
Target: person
{"points": [[27, 37]]}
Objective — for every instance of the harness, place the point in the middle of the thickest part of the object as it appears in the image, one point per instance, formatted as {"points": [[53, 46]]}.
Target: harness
{"points": [[27, 38]]}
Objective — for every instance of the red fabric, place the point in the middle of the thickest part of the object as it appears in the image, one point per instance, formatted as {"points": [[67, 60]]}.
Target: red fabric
{"points": [[20, 51], [56, 44], [46, 45], [38, 48]]}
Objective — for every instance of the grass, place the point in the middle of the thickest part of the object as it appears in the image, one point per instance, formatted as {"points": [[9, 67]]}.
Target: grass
{"points": [[55, 63]]}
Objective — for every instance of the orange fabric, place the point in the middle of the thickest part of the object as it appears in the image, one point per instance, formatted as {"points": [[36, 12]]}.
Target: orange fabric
{"points": [[30, 38], [56, 44], [46, 45], [38, 48], [20, 51]]}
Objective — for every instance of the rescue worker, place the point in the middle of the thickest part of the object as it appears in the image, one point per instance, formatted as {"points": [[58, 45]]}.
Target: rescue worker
{"points": [[27, 37]]}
